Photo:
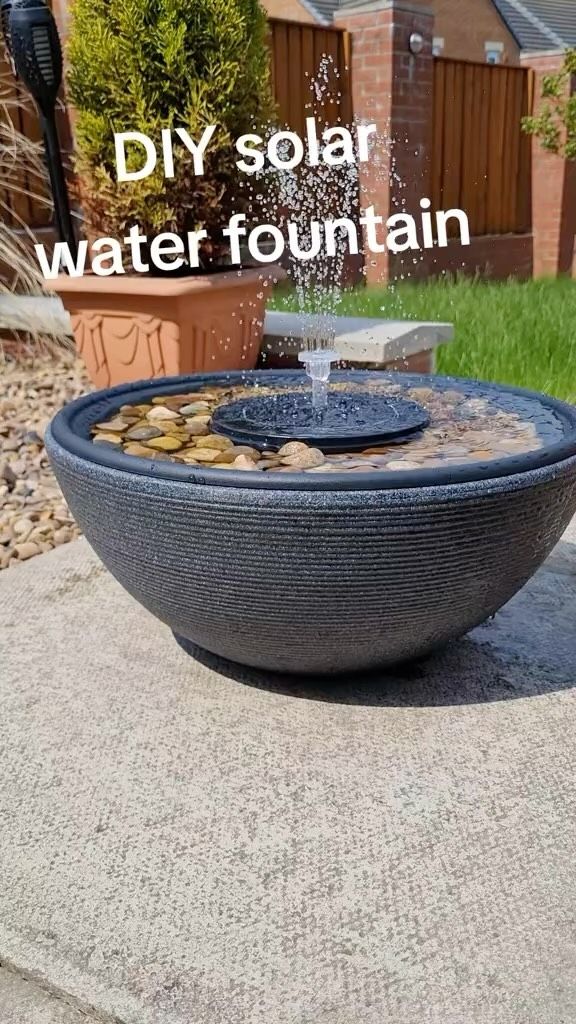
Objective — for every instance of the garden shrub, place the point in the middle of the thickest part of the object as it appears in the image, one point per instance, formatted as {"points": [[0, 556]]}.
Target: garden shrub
{"points": [[145, 65]]}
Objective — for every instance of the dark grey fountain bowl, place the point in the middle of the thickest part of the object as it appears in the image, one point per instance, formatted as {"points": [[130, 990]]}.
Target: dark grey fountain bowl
{"points": [[314, 573]]}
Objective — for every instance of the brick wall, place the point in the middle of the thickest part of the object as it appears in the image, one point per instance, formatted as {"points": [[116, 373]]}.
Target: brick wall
{"points": [[466, 25], [553, 190], [291, 10], [392, 87], [492, 257]]}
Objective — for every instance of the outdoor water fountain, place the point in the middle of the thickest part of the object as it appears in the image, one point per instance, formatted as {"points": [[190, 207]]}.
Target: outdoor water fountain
{"points": [[317, 521], [300, 558]]}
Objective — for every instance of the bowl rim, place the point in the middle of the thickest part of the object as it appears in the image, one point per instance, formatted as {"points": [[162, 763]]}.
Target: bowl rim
{"points": [[63, 433]]}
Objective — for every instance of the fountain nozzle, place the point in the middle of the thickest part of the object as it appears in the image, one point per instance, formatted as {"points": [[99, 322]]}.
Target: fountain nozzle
{"points": [[317, 363]]}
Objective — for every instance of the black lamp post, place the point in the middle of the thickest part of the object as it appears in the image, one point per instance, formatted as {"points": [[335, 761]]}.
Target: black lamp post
{"points": [[33, 44]]}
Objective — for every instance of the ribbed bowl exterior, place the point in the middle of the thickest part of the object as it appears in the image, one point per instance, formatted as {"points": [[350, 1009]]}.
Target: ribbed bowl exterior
{"points": [[318, 581]]}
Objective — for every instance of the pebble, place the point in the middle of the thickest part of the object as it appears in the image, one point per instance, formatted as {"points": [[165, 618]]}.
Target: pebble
{"points": [[26, 550], [188, 456], [11, 445], [160, 412], [216, 441], [245, 449], [32, 508], [116, 426], [175, 430], [164, 444], [32, 437], [103, 438], [206, 454], [193, 408], [292, 448], [137, 449], [196, 428], [22, 527], [143, 433], [177, 427], [8, 475], [309, 458], [245, 462]]}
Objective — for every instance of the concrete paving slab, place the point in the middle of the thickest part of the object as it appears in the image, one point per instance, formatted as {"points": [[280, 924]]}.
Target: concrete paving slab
{"points": [[24, 1002], [184, 842], [357, 339]]}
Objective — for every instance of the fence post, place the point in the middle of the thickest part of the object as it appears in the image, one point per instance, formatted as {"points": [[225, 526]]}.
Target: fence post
{"points": [[392, 87], [553, 187]]}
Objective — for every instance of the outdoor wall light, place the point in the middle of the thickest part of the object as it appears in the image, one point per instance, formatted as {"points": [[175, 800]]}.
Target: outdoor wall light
{"points": [[416, 43], [33, 44]]}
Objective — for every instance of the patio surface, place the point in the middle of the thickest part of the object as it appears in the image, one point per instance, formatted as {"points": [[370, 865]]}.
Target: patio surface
{"points": [[186, 843]]}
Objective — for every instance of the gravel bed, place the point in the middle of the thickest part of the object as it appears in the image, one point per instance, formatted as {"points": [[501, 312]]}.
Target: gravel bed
{"points": [[33, 514]]}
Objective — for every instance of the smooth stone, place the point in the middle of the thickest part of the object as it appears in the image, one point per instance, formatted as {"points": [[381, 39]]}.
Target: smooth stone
{"points": [[186, 458], [134, 410], [164, 444], [292, 448], [225, 457], [111, 439], [7, 474], [116, 426], [143, 433], [200, 419], [62, 535], [160, 412], [113, 445], [245, 462], [245, 449], [175, 402], [306, 459], [398, 464], [206, 454], [22, 527], [196, 428], [193, 408], [26, 550], [216, 441], [170, 429], [159, 456], [32, 437], [137, 449]]}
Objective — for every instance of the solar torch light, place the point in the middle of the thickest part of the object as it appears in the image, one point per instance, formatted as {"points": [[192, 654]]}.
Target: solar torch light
{"points": [[33, 45]]}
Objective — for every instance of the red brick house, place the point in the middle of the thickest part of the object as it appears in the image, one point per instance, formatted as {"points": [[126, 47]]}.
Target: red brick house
{"points": [[496, 31]]}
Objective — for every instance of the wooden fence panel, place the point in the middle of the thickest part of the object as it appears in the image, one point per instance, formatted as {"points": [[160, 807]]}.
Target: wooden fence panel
{"points": [[21, 186], [481, 160], [303, 55]]}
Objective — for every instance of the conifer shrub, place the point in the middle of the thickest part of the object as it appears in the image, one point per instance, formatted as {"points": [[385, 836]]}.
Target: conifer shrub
{"points": [[145, 65]]}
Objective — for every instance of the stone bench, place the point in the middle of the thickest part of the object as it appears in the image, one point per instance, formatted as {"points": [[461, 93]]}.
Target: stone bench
{"points": [[359, 341]]}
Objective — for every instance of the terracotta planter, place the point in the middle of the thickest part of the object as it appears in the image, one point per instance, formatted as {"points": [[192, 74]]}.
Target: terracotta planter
{"points": [[131, 328]]}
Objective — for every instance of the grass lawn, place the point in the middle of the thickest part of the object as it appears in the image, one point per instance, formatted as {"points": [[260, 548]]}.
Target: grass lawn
{"points": [[512, 332]]}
